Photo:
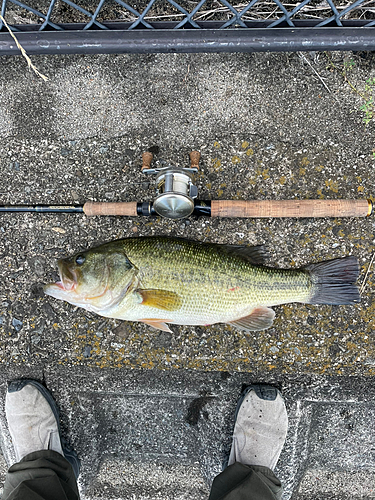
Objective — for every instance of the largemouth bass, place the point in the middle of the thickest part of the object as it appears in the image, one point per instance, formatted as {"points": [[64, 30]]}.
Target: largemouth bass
{"points": [[161, 280]]}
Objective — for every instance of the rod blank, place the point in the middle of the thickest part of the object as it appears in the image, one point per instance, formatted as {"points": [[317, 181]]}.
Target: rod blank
{"points": [[46, 209]]}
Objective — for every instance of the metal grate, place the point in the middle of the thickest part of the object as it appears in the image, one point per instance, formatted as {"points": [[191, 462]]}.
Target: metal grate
{"points": [[186, 15], [156, 14]]}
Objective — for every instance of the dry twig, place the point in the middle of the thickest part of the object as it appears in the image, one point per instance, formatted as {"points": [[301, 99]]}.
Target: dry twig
{"points": [[23, 51], [187, 74], [317, 74], [367, 272]]}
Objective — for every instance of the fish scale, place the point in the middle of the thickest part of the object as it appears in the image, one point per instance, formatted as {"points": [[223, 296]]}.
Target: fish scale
{"points": [[215, 287]]}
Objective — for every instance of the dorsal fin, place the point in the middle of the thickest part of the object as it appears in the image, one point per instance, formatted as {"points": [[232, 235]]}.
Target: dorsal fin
{"points": [[254, 254]]}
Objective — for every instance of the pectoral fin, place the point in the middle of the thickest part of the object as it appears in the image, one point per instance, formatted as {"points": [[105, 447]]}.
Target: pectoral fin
{"points": [[161, 299], [260, 319], [158, 324]]}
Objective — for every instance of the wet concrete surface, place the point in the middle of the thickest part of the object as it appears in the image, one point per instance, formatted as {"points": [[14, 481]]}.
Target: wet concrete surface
{"points": [[267, 128]]}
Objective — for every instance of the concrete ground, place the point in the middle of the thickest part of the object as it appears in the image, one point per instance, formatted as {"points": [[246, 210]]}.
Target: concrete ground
{"points": [[150, 413]]}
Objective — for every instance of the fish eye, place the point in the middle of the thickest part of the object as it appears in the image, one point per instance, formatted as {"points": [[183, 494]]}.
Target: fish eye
{"points": [[80, 259]]}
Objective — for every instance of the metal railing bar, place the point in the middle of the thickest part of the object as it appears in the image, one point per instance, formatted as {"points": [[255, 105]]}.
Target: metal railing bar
{"points": [[190, 41]]}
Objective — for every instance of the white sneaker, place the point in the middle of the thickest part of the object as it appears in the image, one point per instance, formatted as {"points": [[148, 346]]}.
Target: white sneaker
{"points": [[260, 428], [33, 421]]}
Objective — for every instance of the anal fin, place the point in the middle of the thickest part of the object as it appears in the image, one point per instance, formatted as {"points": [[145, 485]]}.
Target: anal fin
{"points": [[158, 324], [260, 319]]}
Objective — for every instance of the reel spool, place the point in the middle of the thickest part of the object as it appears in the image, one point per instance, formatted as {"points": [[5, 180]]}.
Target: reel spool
{"points": [[175, 187]]}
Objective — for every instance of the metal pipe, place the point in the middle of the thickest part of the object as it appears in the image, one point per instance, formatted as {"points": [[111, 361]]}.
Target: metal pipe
{"points": [[190, 40]]}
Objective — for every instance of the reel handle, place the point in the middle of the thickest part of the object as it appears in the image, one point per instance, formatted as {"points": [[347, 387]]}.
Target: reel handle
{"points": [[195, 156], [291, 208], [146, 159]]}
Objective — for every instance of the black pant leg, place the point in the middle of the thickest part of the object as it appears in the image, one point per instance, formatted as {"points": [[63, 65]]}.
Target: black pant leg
{"points": [[246, 482], [42, 475]]}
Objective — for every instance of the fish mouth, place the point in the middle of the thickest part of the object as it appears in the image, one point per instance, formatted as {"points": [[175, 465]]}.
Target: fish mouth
{"points": [[60, 285], [68, 277], [67, 284]]}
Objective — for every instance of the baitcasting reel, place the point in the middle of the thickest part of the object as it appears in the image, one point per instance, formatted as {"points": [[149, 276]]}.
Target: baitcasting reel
{"points": [[175, 186]]}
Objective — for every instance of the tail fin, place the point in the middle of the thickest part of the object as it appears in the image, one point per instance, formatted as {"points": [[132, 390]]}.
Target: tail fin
{"points": [[334, 281]]}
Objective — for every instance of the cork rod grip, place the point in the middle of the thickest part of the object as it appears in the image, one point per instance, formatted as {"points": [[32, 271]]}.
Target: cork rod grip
{"points": [[121, 208], [291, 208]]}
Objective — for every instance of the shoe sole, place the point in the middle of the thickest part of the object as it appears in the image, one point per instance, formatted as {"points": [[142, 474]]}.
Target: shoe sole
{"points": [[70, 455]]}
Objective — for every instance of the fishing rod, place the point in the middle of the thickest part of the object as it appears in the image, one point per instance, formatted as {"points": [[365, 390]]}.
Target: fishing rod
{"points": [[177, 199]]}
